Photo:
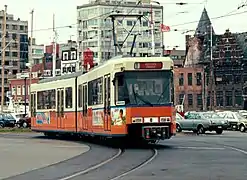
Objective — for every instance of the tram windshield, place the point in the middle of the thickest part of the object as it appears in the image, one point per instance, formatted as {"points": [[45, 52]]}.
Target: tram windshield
{"points": [[144, 88]]}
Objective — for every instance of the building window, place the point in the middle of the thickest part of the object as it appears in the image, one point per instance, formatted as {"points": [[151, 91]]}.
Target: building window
{"points": [[181, 99], [13, 91], [145, 23], [228, 98], [18, 90], [129, 23], [190, 79], [68, 97], [23, 90], [80, 96], [199, 99], [181, 79], [190, 99], [208, 98], [95, 92], [198, 79], [46, 99], [219, 98], [238, 98]]}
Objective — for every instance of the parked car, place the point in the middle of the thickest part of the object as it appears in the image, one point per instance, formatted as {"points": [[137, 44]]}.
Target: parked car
{"points": [[234, 118], [243, 113], [7, 120], [200, 122], [242, 125], [24, 122]]}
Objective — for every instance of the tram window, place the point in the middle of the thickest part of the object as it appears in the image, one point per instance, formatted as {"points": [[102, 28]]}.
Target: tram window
{"points": [[80, 96], [68, 97], [95, 92], [40, 100], [46, 99]]}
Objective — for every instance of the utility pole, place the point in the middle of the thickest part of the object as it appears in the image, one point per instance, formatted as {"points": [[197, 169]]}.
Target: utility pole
{"points": [[54, 56], [31, 64], [3, 55], [212, 79], [152, 29]]}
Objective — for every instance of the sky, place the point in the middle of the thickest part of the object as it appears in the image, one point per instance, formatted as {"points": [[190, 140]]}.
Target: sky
{"points": [[65, 15]]}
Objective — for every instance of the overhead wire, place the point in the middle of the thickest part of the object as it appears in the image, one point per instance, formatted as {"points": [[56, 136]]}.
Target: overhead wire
{"points": [[187, 9], [230, 13]]}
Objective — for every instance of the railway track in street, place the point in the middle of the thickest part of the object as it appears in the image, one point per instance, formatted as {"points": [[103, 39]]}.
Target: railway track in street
{"points": [[95, 163]]}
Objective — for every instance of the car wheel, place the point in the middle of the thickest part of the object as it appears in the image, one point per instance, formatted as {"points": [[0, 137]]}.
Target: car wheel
{"points": [[219, 131], [24, 124], [178, 128], [242, 128], [1, 125], [200, 130]]}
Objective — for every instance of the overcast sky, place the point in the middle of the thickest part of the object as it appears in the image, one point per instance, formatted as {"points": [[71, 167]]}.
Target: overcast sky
{"points": [[66, 15]]}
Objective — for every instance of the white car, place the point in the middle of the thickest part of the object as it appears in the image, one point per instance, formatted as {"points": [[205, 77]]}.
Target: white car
{"points": [[233, 118]]}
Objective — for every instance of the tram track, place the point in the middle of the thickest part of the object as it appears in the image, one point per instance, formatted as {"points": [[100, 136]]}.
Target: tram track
{"points": [[130, 161], [94, 163]]}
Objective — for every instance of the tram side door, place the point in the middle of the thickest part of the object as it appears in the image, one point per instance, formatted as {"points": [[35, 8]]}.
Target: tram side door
{"points": [[107, 103], [60, 108], [33, 108], [84, 108]]}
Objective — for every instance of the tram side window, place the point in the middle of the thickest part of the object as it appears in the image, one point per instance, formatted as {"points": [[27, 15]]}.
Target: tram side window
{"points": [[95, 92], [46, 99], [80, 95], [68, 97]]}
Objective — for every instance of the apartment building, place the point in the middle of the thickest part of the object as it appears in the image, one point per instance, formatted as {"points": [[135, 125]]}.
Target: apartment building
{"points": [[95, 28], [189, 88], [16, 53]]}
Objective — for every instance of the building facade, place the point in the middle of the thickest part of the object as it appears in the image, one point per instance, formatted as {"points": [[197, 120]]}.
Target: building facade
{"points": [[38, 53], [95, 28], [178, 56], [189, 88], [19, 86], [16, 53], [228, 60]]}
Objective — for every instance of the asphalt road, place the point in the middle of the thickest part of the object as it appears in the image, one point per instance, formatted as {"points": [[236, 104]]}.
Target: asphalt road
{"points": [[186, 157], [19, 154]]}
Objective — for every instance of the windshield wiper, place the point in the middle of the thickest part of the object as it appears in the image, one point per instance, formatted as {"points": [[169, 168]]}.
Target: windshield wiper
{"points": [[162, 93], [139, 97]]}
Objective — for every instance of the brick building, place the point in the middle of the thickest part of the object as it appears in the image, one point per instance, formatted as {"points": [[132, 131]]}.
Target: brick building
{"points": [[20, 84], [189, 88]]}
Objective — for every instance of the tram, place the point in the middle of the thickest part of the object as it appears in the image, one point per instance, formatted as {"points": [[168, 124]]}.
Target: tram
{"points": [[123, 97]]}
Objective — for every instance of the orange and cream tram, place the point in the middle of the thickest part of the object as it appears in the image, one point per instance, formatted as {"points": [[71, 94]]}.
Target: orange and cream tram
{"points": [[124, 97]]}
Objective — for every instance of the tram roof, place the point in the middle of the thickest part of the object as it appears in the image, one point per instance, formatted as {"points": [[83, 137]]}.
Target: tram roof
{"points": [[76, 74]]}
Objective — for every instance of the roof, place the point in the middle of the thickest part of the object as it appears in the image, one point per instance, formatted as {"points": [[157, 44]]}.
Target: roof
{"points": [[76, 74], [116, 5], [203, 24]]}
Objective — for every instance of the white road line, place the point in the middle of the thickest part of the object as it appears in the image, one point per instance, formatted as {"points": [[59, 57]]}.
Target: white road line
{"points": [[93, 167], [139, 167], [201, 148], [236, 149]]}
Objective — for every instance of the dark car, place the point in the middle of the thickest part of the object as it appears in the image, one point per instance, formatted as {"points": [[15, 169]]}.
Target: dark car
{"points": [[24, 122], [7, 120]]}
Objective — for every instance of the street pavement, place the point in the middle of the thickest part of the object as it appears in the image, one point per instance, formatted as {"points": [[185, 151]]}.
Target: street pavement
{"points": [[20, 155], [204, 157], [184, 157]]}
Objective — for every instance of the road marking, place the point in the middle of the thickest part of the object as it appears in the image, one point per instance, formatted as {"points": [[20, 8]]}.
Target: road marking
{"points": [[93, 167], [201, 148], [236, 149]]}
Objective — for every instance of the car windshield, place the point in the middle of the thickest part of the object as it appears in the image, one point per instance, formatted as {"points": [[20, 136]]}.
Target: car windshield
{"points": [[240, 116], [212, 116], [149, 88]]}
